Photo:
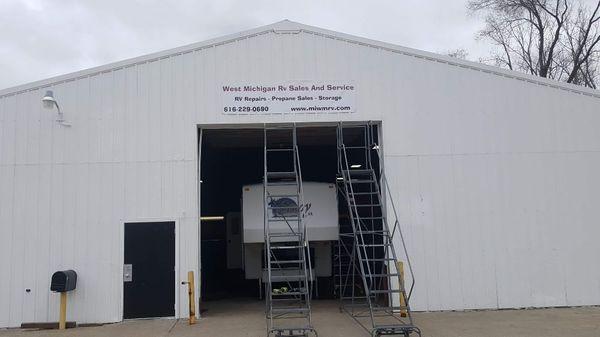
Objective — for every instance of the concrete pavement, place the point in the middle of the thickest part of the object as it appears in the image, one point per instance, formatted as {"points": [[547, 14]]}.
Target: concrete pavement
{"points": [[245, 318]]}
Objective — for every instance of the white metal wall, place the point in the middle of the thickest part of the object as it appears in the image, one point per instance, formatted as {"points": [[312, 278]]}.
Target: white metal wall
{"points": [[66, 192], [498, 184], [496, 178]]}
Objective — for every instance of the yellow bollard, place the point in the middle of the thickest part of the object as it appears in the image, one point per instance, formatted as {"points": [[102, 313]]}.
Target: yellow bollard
{"points": [[62, 320], [400, 268], [192, 297]]}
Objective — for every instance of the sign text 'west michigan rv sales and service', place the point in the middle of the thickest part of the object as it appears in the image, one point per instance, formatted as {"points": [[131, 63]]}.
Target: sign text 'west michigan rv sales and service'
{"points": [[288, 98]]}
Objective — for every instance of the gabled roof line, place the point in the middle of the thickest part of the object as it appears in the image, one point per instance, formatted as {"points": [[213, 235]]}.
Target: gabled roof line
{"points": [[131, 62], [289, 27]]}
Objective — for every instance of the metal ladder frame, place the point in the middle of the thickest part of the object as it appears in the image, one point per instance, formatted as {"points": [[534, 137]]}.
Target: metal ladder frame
{"points": [[304, 286], [374, 282]]}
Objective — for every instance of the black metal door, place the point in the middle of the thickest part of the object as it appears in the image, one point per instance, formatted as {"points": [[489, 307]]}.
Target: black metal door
{"points": [[149, 272]]}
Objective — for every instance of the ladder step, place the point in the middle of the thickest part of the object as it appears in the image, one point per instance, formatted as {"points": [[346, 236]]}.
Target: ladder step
{"points": [[279, 301], [285, 247], [286, 271], [289, 293], [360, 298], [383, 275], [287, 261], [283, 235], [376, 245], [379, 259], [290, 277], [281, 175], [287, 219], [273, 196], [365, 205], [382, 232], [387, 291], [358, 171], [360, 181], [281, 183], [356, 147], [365, 193], [280, 150], [282, 310]]}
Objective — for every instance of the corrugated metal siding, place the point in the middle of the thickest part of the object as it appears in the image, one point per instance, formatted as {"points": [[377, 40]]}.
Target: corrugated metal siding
{"points": [[67, 191], [495, 178]]}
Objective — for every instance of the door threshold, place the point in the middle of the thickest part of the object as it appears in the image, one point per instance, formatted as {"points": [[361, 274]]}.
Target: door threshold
{"points": [[147, 318]]}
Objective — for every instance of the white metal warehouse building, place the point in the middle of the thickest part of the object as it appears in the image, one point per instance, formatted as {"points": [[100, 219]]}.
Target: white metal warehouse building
{"points": [[495, 174]]}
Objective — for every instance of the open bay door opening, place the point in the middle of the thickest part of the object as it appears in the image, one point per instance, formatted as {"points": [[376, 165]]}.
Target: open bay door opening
{"points": [[232, 170], [315, 228]]}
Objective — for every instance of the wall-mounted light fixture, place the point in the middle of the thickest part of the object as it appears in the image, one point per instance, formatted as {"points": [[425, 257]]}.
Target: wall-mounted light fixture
{"points": [[50, 102]]}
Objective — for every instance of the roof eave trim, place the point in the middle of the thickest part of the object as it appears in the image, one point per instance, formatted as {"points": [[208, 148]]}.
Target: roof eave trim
{"points": [[452, 61], [51, 81]]}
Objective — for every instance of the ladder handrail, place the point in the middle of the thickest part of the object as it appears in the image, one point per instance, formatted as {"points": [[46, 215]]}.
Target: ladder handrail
{"points": [[266, 227], [301, 206], [303, 226], [397, 225], [353, 209], [388, 192]]}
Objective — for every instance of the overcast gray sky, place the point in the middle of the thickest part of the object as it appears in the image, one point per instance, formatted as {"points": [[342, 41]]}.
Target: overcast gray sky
{"points": [[44, 38]]}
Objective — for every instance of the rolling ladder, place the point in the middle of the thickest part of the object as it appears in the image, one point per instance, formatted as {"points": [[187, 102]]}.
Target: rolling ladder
{"points": [[287, 264], [370, 281]]}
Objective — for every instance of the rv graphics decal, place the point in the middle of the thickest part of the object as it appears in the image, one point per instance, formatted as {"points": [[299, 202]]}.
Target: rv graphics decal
{"points": [[288, 208]]}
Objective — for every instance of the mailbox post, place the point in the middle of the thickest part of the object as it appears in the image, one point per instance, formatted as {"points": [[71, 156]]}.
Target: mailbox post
{"points": [[63, 281]]}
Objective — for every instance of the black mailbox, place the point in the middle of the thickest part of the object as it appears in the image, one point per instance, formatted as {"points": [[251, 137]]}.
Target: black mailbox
{"points": [[64, 280]]}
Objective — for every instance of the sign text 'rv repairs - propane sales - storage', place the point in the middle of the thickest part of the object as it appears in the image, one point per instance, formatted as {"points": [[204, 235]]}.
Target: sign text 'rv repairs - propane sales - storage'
{"points": [[288, 98]]}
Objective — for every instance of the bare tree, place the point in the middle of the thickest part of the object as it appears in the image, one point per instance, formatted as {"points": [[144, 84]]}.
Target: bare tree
{"points": [[557, 39], [459, 53]]}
